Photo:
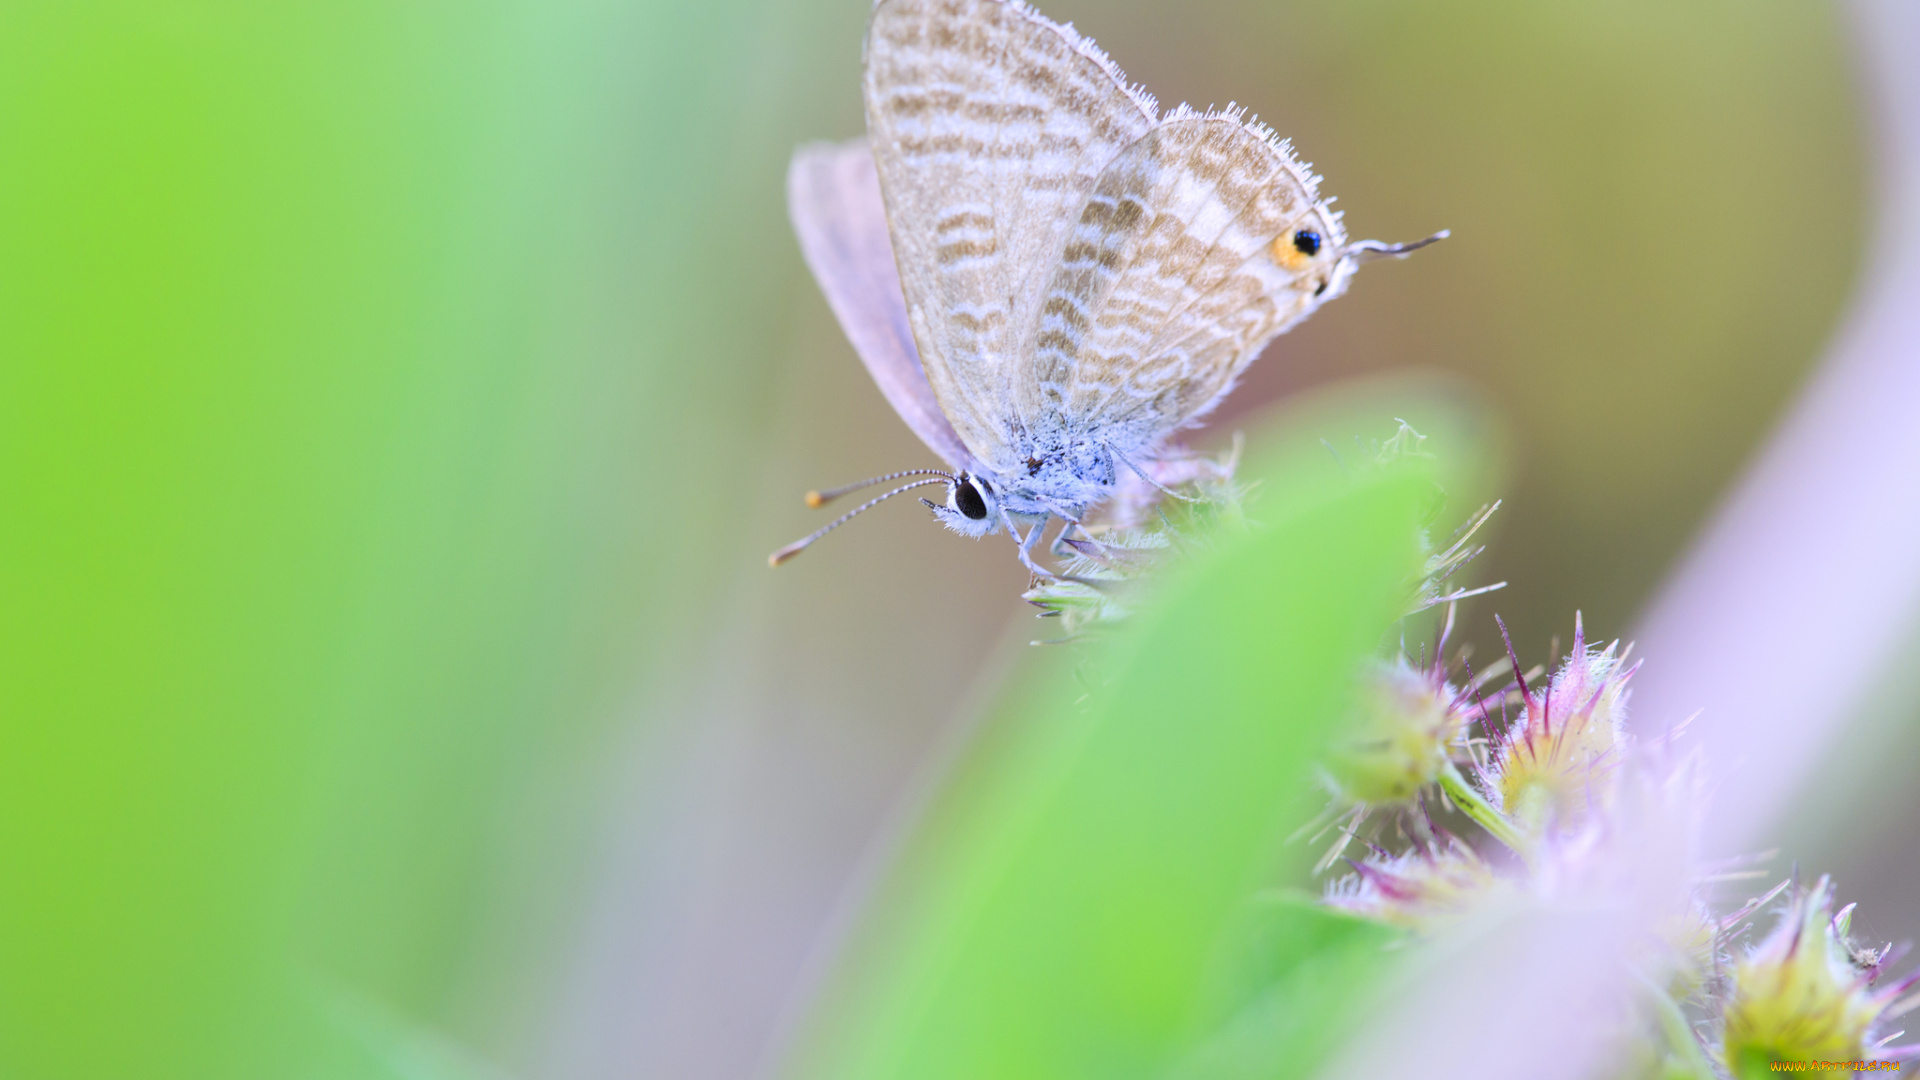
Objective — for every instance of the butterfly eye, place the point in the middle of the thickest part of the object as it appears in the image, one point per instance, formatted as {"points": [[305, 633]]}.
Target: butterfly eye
{"points": [[967, 500], [1306, 242]]}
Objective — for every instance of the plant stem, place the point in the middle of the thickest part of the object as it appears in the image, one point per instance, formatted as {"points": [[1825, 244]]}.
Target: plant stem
{"points": [[1482, 811]]}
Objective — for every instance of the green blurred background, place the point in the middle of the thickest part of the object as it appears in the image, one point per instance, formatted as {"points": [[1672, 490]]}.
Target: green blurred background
{"points": [[397, 402]]}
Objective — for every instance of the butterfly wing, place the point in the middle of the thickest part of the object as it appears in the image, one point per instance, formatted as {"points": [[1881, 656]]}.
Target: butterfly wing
{"points": [[833, 196], [1180, 268], [990, 126]]}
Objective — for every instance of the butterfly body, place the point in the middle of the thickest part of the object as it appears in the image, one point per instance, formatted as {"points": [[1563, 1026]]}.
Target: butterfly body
{"points": [[1046, 275], [1064, 484]]}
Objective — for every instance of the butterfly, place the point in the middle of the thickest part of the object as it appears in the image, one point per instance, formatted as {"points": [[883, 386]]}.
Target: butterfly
{"points": [[1045, 275]]}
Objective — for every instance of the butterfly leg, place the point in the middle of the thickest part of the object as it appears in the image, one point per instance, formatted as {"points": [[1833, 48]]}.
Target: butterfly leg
{"points": [[1099, 550], [1026, 543], [1026, 550], [1142, 474]]}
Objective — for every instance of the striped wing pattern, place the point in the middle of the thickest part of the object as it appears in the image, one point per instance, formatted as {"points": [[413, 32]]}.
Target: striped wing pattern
{"points": [[989, 125], [1178, 272], [1075, 267]]}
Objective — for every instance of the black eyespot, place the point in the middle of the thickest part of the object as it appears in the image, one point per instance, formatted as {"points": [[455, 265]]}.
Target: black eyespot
{"points": [[1306, 242], [968, 500]]}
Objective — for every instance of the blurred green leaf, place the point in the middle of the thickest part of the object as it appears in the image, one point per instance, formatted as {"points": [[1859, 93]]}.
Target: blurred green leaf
{"points": [[1065, 907], [1306, 973], [364, 1039], [341, 349]]}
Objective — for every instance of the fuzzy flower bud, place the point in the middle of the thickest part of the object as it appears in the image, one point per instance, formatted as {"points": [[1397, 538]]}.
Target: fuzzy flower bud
{"points": [[1404, 728], [1419, 889], [1689, 939], [1803, 994], [1556, 763]]}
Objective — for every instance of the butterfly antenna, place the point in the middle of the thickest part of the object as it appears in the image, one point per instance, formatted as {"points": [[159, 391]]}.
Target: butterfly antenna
{"points": [[1369, 250], [798, 546], [818, 499]]}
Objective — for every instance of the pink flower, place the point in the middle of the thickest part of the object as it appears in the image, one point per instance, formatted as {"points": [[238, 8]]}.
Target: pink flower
{"points": [[1554, 766]]}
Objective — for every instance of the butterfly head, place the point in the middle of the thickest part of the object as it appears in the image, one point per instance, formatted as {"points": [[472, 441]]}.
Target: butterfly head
{"points": [[972, 507]]}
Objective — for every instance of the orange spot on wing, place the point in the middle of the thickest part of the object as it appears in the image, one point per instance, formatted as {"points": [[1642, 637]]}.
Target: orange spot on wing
{"points": [[1288, 256]]}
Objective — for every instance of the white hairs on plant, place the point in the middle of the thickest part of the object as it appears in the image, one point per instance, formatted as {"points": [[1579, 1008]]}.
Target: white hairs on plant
{"points": [[1820, 533]]}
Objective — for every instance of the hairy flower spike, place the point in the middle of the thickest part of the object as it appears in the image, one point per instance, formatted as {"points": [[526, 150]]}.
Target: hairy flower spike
{"points": [[1802, 994], [1422, 889], [1690, 940], [1555, 765], [1405, 727]]}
